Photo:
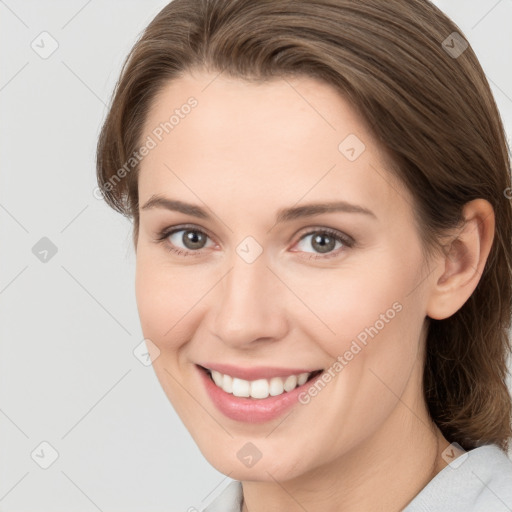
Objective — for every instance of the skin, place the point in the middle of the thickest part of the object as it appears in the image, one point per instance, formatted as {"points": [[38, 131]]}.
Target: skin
{"points": [[366, 441]]}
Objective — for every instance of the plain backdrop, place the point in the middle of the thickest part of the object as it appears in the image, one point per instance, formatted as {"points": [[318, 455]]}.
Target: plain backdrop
{"points": [[69, 324]]}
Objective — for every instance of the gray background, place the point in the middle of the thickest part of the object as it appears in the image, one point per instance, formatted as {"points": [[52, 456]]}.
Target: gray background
{"points": [[69, 324]]}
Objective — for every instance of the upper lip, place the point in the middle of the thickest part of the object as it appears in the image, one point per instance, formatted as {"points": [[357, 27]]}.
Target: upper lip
{"points": [[255, 372]]}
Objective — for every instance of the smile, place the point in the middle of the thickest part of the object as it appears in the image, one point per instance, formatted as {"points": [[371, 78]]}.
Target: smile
{"points": [[261, 388], [256, 394]]}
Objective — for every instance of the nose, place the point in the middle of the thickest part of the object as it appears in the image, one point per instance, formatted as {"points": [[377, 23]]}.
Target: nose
{"points": [[250, 305]]}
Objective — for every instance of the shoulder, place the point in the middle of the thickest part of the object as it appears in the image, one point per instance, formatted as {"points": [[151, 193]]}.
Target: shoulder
{"points": [[477, 481], [229, 500]]}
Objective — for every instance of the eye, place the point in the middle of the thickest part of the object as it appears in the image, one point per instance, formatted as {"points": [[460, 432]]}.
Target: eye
{"points": [[185, 239], [324, 241]]}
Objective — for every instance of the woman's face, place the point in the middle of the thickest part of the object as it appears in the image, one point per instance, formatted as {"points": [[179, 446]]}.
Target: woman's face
{"points": [[260, 279]]}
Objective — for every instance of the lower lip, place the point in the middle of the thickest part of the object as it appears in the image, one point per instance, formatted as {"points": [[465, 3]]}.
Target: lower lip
{"points": [[252, 410]]}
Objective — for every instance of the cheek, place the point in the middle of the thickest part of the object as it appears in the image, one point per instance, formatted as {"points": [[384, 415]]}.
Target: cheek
{"points": [[368, 322], [354, 302], [168, 297]]}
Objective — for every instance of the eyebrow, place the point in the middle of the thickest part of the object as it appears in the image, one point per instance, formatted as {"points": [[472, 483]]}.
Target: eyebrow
{"points": [[283, 215]]}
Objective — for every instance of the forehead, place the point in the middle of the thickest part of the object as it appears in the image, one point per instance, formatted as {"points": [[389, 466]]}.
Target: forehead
{"points": [[283, 110], [286, 138]]}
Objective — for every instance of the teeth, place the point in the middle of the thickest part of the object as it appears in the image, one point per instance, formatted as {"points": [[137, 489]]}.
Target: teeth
{"points": [[260, 388], [217, 378], [227, 383], [241, 387], [290, 383], [302, 378], [276, 386]]}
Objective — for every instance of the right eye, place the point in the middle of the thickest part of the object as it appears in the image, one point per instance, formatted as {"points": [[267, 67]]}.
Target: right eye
{"points": [[184, 240]]}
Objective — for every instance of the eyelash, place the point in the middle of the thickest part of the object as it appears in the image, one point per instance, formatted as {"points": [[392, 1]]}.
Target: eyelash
{"points": [[347, 242]]}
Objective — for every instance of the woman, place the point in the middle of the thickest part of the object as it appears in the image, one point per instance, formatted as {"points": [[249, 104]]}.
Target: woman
{"points": [[318, 192]]}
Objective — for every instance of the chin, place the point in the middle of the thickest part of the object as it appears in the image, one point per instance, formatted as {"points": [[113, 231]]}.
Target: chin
{"points": [[268, 468]]}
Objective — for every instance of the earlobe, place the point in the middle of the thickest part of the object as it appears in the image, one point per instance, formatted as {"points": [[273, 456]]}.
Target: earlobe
{"points": [[462, 261]]}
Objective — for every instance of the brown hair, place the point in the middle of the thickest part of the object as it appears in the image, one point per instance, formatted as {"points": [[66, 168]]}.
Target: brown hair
{"points": [[431, 109]]}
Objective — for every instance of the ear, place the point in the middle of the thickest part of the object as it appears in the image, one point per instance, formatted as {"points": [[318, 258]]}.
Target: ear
{"points": [[463, 261]]}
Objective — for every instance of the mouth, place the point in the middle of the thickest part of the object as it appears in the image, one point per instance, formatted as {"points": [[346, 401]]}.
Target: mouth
{"points": [[260, 388]]}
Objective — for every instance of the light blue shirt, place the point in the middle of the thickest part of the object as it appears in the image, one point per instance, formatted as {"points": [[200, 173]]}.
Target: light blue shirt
{"points": [[481, 482]]}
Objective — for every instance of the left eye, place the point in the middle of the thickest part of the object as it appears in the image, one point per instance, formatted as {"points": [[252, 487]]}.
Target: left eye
{"points": [[192, 239], [323, 241]]}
